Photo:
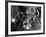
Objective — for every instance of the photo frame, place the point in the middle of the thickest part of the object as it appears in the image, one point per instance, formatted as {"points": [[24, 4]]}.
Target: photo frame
{"points": [[13, 9]]}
